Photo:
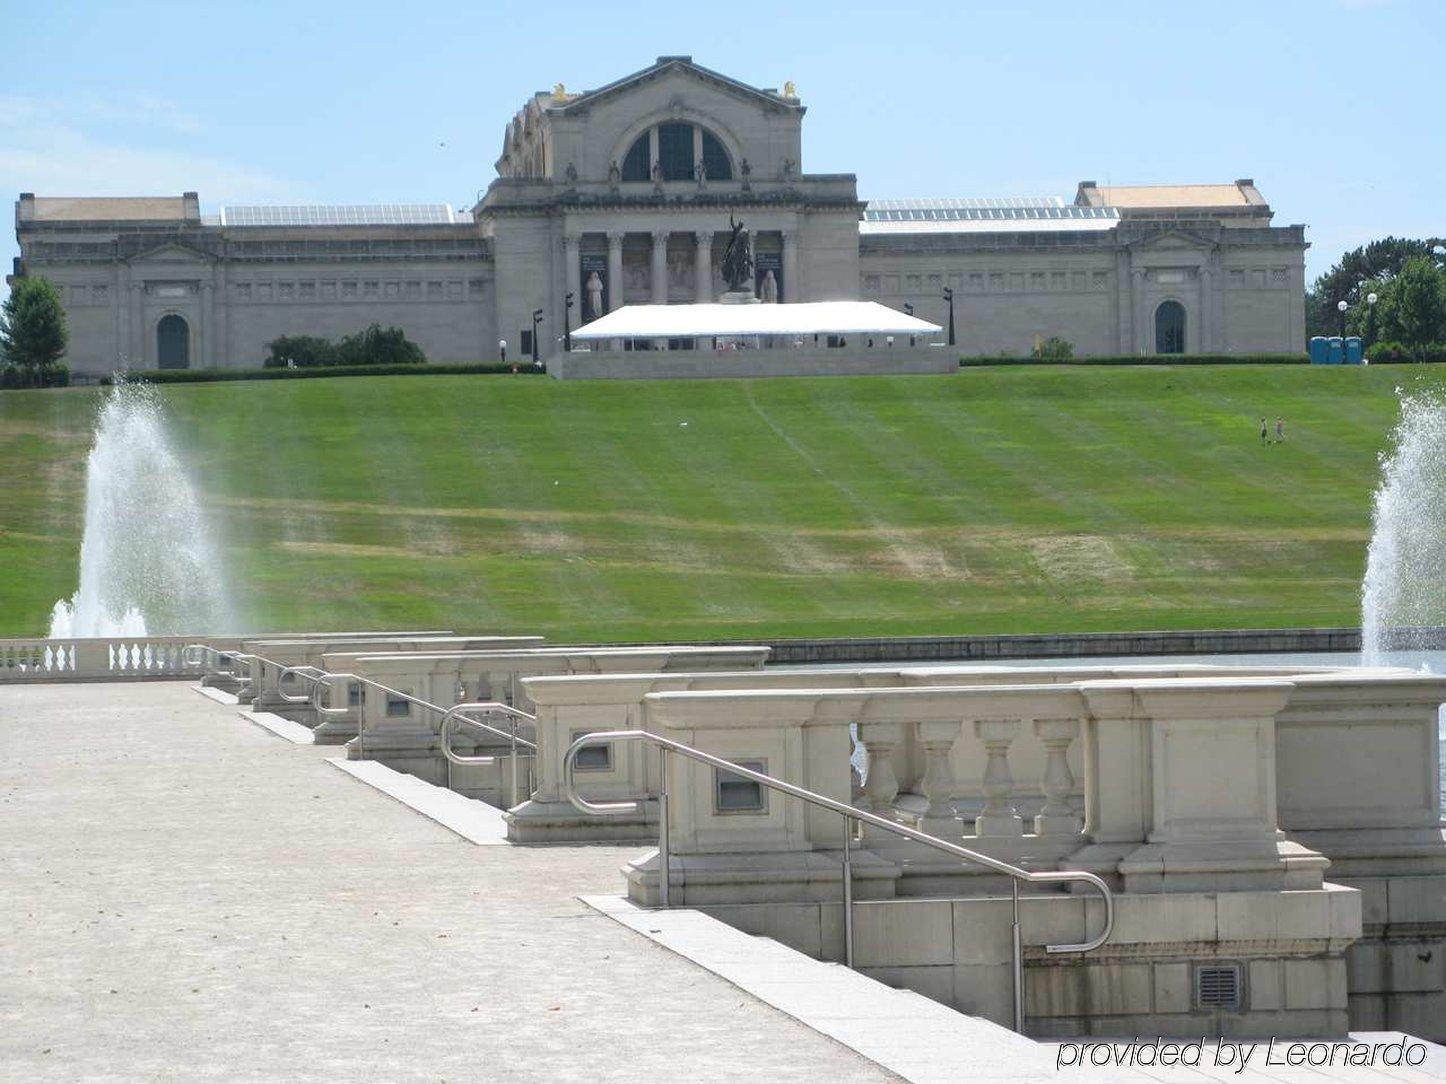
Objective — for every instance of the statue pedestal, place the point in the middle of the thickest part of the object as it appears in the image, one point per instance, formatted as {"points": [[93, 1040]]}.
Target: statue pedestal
{"points": [[738, 297]]}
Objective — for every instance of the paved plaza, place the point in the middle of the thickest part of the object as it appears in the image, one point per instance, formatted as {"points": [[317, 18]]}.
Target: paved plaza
{"points": [[185, 896]]}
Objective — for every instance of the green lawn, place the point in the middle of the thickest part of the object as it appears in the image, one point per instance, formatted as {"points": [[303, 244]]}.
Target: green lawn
{"points": [[997, 500]]}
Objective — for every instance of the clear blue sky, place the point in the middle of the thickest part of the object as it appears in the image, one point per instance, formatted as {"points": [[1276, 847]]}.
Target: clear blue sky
{"points": [[1333, 106]]}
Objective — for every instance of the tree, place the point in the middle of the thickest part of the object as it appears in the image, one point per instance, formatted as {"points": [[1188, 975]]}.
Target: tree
{"points": [[302, 350], [33, 335], [1412, 305], [379, 346], [1372, 265]]}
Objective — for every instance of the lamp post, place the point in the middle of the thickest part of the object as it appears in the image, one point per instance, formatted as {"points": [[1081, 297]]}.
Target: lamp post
{"points": [[567, 324], [1341, 307], [502, 348], [1371, 300], [949, 297], [910, 310], [536, 319]]}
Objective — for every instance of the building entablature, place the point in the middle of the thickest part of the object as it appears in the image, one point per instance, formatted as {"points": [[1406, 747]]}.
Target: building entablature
{"points": [[214, 244]]}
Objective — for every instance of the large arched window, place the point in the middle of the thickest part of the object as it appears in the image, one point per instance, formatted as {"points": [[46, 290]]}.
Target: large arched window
{"points": [[1170, 328], [173, 343], [677, 148]]}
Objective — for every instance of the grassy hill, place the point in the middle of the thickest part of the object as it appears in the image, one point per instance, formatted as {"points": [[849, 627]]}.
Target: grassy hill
{"points": [[997, 500]]}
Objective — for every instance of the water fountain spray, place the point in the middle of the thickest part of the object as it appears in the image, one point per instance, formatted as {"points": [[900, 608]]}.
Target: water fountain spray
{"points": [[1403, 597], [148, 563]]}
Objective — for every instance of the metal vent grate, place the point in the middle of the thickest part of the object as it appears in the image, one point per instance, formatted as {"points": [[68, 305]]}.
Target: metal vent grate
{"points": [[1218, 987]]}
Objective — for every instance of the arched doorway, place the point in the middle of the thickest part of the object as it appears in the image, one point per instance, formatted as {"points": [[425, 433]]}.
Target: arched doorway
{"points": [[173, 343], [1170, 328]]}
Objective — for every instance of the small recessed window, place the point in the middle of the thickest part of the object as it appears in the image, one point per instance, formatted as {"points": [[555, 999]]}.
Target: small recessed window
{"points": [[592, 758], [1218, 986], [734, 794], [398, 705]]}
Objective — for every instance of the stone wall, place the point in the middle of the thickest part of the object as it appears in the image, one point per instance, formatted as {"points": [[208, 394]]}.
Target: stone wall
{"points": [[690, 364]]}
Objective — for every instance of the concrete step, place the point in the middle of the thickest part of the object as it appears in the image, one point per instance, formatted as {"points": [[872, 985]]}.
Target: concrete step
{"points": [[477, 822]]}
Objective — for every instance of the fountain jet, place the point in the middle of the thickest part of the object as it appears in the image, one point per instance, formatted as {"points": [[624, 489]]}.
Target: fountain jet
{"points": [[1403, 597], [148, 563]]}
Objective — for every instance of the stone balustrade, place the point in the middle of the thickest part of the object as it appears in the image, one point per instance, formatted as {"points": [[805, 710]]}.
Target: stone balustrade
{"points": [[1216, 805], [567, 706], [404, 736], [278, 652], [112, 658]]}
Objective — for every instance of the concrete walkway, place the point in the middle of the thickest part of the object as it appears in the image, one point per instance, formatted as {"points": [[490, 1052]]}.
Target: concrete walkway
{"points": [[184, 896]]}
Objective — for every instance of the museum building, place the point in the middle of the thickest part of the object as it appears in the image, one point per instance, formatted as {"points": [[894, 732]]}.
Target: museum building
{"points": [[622, 195]]}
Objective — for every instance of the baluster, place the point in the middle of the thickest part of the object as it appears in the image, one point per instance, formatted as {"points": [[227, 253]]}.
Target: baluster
{"points": [[998, 817], [881, 784], [1057, 817], [939, 817]]}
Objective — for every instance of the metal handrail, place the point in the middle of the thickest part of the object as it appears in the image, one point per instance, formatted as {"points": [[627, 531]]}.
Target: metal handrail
{"points": [[322, 679], [286, 672], [453, 714], [192, 655], [849, 813]]}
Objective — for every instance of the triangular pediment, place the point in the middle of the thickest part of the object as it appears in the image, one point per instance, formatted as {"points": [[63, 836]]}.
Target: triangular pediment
{"points": [[1167, 239], [681, 68], [171, 252]]}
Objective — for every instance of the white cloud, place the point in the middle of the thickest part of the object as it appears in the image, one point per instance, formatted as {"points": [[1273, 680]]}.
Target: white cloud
{"points": [[126, 146]]}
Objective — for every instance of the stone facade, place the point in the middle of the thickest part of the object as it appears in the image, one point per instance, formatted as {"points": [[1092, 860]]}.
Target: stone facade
{"points": [[622, 195]]}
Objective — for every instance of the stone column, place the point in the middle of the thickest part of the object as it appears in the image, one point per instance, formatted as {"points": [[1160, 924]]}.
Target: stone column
{"points": [[792, 287], [205, 357], [120, 299], [1137, 310], [938, 740], [136, 347], [880, 739], [660, 267], [1057, 817], [615, 270], [571, 262], [703, 267], [998, 817], [1206, 334], [221, 336]]}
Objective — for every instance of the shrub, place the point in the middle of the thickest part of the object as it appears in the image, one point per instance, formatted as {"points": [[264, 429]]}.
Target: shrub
{"points": [[1144, 359], [44, 376], [379, 346], [374, 346], [1385, 353], [301, 350], [1054, 348], [204, 376]]}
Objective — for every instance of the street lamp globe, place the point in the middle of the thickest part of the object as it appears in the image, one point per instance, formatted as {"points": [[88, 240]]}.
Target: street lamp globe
{"points": [[1371, 299], [1341, 306]]}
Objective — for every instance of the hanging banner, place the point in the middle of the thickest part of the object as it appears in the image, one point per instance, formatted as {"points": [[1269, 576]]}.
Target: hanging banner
{"points": [[594, 278]]}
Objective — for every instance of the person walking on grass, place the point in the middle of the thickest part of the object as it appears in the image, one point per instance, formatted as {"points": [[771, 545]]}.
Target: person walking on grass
{"points": [[1264, 431], [1280, 430]]}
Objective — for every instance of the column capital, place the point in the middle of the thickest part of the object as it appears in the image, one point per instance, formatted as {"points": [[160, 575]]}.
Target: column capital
{"points": [[703, 236], [660, 233], [572, 240], [615, 237]]}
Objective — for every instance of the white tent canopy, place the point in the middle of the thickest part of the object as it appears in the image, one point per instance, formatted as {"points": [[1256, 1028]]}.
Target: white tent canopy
{"points": [[803, 318]]}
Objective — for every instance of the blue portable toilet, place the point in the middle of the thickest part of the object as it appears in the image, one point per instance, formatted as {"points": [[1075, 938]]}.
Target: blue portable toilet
{"points": [[1319, 350], [1337, 351], [1355, 350]]}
